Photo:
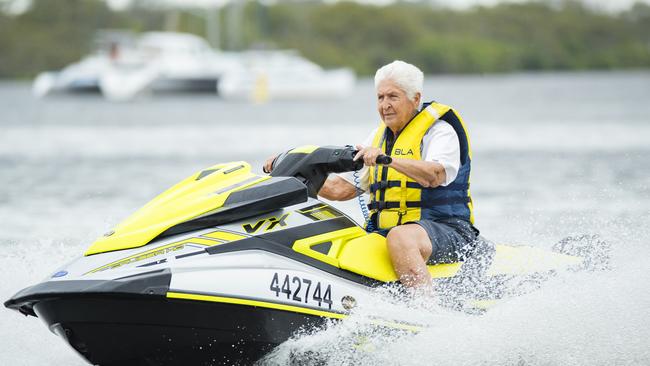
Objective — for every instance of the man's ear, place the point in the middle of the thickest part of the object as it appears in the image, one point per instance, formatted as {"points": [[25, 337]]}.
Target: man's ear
{"points": [[417, 98]]}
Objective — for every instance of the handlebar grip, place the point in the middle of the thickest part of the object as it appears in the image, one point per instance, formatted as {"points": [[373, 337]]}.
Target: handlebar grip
{"points": [[384, 159]]}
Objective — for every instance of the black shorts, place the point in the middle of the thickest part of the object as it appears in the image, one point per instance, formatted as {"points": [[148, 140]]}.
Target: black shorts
{"points": [[451, 239]]}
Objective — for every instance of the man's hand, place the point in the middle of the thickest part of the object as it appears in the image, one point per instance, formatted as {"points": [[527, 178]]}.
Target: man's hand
{"points": [[368, 154], [426, 173], [268, 164]]}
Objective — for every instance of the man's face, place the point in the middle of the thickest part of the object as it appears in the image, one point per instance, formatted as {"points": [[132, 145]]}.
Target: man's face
{"points": [[394, 106]]}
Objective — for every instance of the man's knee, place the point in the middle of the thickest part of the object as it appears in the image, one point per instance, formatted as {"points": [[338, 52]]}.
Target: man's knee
{"points": [[409, 237], [397, 238]]}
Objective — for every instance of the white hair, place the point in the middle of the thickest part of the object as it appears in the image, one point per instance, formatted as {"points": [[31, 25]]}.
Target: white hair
{"points": [[408, 77]]}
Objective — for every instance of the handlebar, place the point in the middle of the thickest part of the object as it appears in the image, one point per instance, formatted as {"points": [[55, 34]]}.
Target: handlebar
{"points": [[344, 160], [384, 159], [340, 160], [381, 159], [313, 167]]}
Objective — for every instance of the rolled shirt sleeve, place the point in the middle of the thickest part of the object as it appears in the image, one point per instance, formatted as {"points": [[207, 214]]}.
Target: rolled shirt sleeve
{"points": [[440, 144]]}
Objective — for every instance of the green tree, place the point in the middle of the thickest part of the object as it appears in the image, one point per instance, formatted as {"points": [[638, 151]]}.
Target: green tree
{"points": [[536, 35]]}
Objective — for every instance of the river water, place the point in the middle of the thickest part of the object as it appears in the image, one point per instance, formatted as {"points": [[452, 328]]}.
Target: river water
{"points": [[555, 154]]}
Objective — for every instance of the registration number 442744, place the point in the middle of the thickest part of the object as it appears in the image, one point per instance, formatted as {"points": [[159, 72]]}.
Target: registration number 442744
{"points": [[302, 290]]}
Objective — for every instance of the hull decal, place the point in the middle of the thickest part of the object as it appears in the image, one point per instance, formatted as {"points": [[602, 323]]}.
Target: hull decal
{"points": [[165, 249], [255, 303], [272, 223], [320, 212], [223, 236], [281, 243]]}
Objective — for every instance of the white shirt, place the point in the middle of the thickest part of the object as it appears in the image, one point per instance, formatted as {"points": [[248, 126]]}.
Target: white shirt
{"points": [[439, 144]]}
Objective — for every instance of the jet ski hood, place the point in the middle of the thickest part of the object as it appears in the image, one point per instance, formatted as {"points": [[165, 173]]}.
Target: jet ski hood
{"points": [[216, 195]]}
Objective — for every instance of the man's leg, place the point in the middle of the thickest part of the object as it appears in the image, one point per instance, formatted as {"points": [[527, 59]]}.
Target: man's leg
{"points": [[409, 247]]}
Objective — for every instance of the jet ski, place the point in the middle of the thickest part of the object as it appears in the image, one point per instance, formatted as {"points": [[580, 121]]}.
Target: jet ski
{"points": [[227, 264]]}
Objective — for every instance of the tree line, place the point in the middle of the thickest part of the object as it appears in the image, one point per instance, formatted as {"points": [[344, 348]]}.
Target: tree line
{"points": [[537, 35]]}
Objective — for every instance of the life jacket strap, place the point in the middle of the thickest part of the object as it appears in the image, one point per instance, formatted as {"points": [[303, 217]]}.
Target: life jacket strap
{"points": [[396, 183], [382, 205]]}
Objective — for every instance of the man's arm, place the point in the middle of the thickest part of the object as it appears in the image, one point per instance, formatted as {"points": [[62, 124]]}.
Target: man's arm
{"points": [[337, 189], [429, 174], [426, 173]]}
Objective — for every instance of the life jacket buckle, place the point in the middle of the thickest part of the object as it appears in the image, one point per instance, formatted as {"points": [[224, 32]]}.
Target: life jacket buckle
{"points": [[399, 218]]}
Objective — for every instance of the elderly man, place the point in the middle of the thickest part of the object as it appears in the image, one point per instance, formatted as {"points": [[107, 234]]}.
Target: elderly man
{"points": [[421, 200]]}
